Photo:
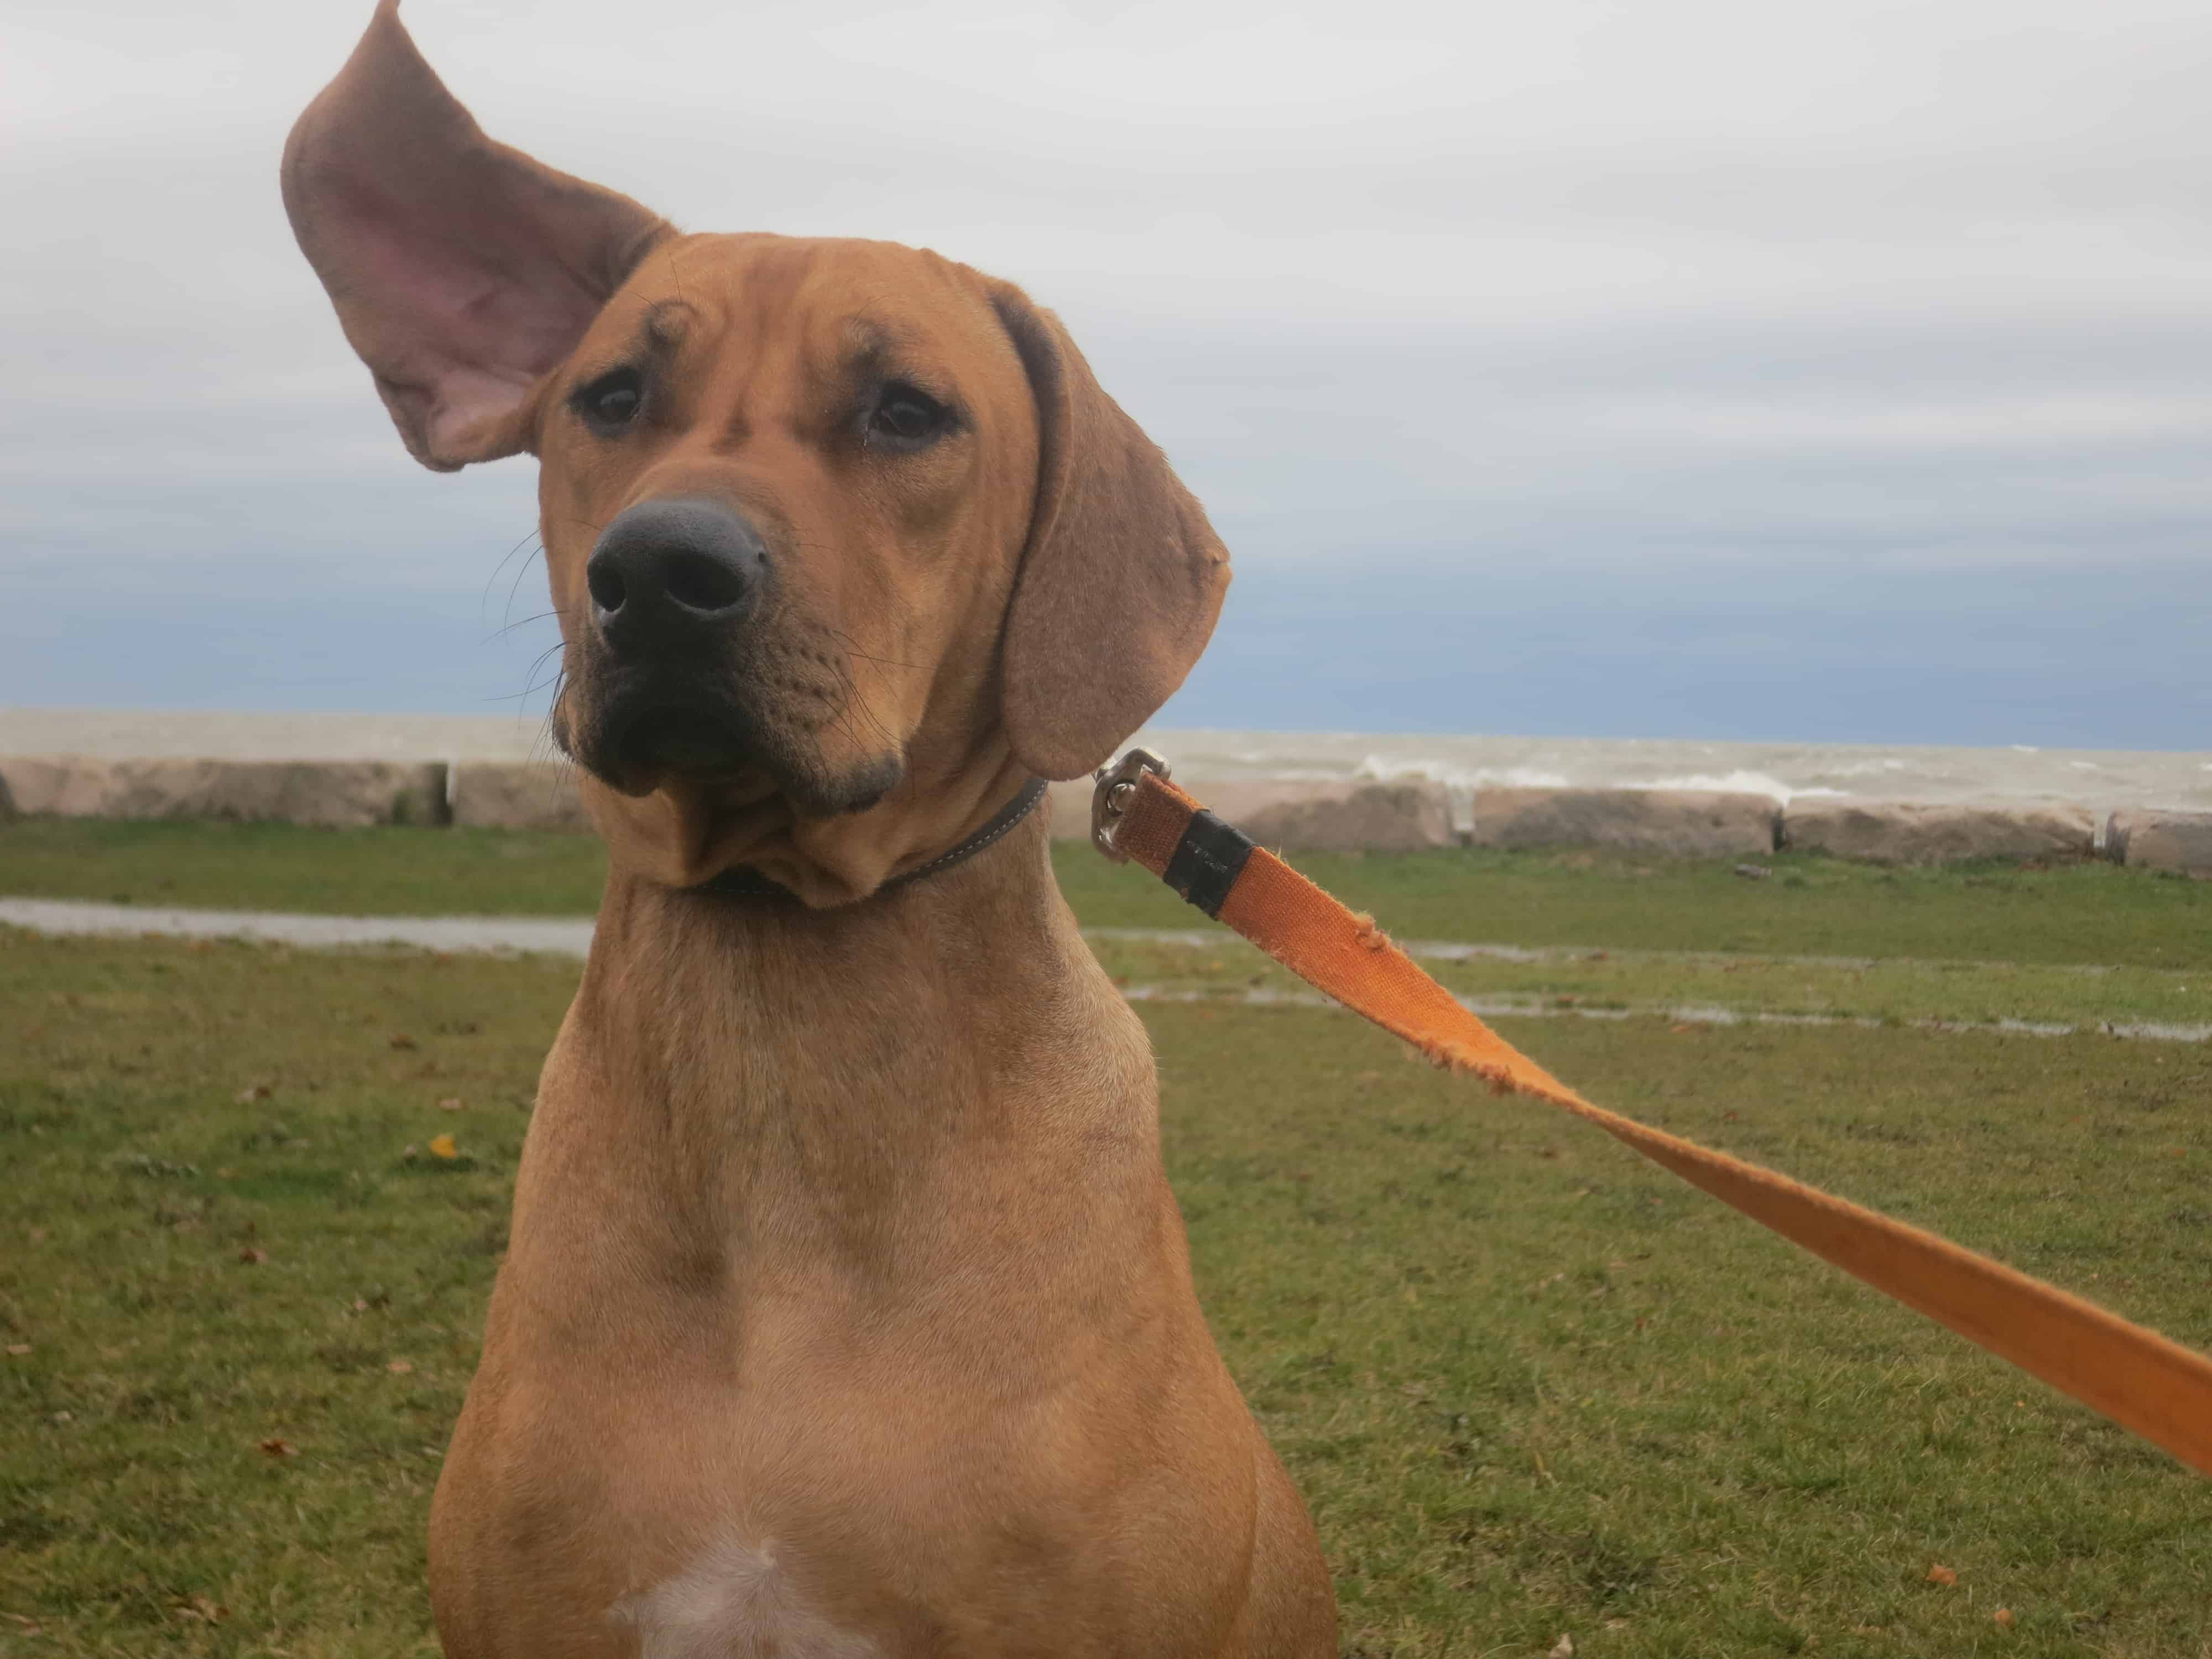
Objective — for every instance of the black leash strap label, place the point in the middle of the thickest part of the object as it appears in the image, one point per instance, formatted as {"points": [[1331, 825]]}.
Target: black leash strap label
{"points": [[1207, 861]]}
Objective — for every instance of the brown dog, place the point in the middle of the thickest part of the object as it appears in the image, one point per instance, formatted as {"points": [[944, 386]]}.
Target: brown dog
{"points": [[847, 1311]]}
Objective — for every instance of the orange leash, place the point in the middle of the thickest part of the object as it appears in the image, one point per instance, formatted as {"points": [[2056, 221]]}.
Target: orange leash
{"points": [[2141, 1380]]}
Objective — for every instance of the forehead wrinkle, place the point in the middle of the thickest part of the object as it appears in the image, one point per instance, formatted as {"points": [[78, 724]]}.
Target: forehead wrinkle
{"points": [[665, 322], [876, 348]]}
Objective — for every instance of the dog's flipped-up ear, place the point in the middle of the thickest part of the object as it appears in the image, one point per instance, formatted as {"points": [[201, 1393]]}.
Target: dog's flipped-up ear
{"points": [[1123, 577], [462, 270]]}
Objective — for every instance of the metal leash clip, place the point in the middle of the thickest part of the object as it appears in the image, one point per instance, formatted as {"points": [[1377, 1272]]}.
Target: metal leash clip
{"points": [[1117, 787]]}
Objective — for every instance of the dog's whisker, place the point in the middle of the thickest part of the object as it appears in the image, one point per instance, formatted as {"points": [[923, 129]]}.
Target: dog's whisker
{"points": [[521, 541], [515, 586], [852, 702], [533, 683], [524, 622], [852, 648]]}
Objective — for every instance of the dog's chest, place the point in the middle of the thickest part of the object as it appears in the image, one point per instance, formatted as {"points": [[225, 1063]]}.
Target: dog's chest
{"points": [[735, 1602]]}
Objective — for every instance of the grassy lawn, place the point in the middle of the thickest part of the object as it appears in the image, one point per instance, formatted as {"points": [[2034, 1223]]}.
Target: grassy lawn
{"points": [[1530, 1386], [2087, 913], [1704, 986], [283, 866]]}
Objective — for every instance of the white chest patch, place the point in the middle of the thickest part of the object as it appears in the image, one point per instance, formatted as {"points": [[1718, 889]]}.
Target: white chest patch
{"points": [[734, 1602]]}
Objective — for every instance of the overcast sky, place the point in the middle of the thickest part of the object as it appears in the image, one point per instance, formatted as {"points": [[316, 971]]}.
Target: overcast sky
{"points": [[1680, 369]]}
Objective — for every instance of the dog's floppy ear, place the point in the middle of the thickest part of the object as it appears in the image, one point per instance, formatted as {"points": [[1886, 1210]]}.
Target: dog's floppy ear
{"points": [[461, 270], [1123, 577]]}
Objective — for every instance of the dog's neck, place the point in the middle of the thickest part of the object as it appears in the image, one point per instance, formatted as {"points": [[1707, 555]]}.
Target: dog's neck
{"points": [[853, 1086], [743, 881]]}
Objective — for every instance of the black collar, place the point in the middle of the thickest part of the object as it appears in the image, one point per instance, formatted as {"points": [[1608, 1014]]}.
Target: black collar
{"points": [[743, 881]]}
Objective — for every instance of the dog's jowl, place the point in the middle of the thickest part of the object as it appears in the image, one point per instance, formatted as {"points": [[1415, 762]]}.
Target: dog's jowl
{"points": [[847, 1311]]}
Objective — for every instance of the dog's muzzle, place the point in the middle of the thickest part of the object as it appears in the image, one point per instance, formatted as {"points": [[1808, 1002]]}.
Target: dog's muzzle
{"points": [[672, 582]]}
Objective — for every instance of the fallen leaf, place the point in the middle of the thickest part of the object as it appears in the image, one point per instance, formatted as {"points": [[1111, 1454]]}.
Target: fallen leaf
{"points": [[253, 1255], [442, 1146], [1563, 1649], [279, 1447], [450, 1103], [2004, 1617], [400, 1367], [1940, 1574]]}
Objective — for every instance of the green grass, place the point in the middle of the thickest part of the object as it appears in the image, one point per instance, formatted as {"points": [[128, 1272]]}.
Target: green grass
{"points": [[1811, 905], [283, 866], [2075, 913], [1529, 1384], [1213, 961]]}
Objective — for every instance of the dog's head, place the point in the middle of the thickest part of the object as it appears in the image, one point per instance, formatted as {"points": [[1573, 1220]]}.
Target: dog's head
{"points": [[843, 537]]}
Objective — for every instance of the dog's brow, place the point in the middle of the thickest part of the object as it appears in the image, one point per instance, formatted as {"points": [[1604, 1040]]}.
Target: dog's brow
{"points": [[870, 337], [874, 345], [877, 351], [665, 322]]}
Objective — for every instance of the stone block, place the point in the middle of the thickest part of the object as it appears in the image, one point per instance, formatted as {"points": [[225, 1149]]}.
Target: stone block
{"points": [[1911, 832], [2158, 839], [1682, 822], [328, 794], [55, 785], [510, 795], [1402, 816], [1405, 814]]}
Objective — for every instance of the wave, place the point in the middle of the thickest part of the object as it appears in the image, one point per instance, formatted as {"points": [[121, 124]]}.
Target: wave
{"points": [[1734, 783]]}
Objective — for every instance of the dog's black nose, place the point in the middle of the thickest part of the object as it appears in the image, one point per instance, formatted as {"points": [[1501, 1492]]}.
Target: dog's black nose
{"points": [[671, 574]]}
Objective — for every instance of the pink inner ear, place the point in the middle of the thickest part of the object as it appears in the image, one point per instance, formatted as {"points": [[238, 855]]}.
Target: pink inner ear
{"points": [[466, 310]]}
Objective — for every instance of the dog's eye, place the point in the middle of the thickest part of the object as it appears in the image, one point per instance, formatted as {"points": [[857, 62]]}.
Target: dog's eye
{"points": [[611, 402], [907, 418]]}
